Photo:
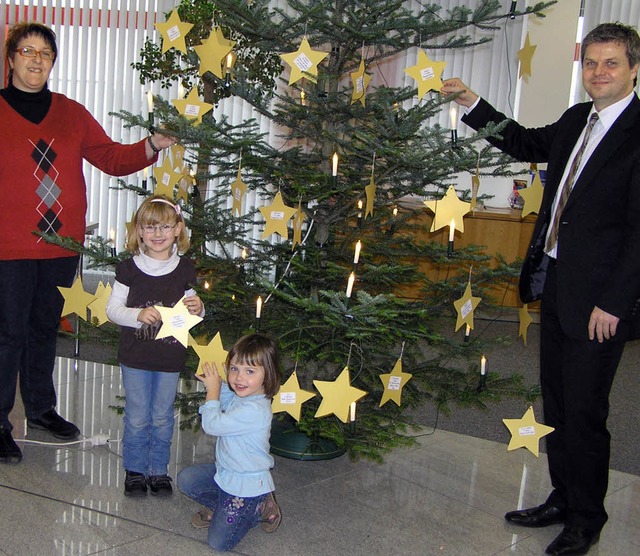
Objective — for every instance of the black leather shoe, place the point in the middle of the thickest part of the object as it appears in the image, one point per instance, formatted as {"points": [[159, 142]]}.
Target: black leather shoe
{"points": [[540, 516], [51, 422], [9, 451], [573, 541], [135, 484]]}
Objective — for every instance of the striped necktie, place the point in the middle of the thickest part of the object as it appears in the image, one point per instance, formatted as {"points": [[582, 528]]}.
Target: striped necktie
{"points": [[552, 236]]}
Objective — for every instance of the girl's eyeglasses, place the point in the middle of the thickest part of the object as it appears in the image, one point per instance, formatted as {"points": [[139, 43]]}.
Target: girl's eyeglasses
{"points": [[164, 228]]}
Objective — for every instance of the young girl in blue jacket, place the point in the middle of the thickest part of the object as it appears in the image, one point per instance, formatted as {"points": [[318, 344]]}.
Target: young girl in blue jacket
{"points": [[237, 490]]}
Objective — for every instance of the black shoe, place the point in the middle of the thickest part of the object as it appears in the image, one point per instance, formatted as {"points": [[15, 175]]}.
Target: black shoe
{"points": [[540, 516], [135, 484], [9, 451], [160, 485], [51, 422], [573, 541]]}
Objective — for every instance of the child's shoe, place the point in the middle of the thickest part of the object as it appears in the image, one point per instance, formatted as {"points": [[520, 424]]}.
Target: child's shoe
{"points": [[135, 484], [270, 514], [160, 485]]}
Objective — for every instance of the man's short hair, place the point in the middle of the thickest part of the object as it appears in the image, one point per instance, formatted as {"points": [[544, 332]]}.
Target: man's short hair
{"points": [[614, 32]]}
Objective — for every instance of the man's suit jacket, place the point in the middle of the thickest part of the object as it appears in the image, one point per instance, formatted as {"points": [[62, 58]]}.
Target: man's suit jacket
{"points": [[598, 260]]}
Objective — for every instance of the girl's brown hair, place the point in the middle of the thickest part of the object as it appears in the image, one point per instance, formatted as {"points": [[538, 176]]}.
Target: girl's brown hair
{"points": [[258, 349], [156, 209]]}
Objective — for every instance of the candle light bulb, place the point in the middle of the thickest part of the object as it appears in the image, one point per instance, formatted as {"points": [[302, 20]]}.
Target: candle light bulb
{"points": [[452, 229], [395, 211], [453, 116], [244, 253], [334, 169], [259, 307], [350, 282], [352, 412], [303, 97], [483, 365], [206, 285], [356, 256], [150, 101], [181, 90]]}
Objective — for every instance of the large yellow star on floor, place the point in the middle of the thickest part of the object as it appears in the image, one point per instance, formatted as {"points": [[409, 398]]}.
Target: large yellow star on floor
{"points": [[360, 80], [449, 208], [76, 299], [173, 32], [304, 62], [191, 107], [213, 51], [337, 396], [526, 432], [238, 189], [98, 306], [290, 397], [370, 192], [393, 383], [277, 216], [465, 306], [176, 322], [525, 54], [166, 178], [525, 321], [213, 352], [427, 74], [532, 196]]}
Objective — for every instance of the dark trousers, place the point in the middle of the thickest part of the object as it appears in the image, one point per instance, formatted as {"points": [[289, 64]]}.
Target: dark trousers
{"points": [[576, 378], [30, 308]]}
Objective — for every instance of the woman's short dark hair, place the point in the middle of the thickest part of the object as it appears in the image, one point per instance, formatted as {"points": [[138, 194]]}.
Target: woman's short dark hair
{"points": [[25, 29]]}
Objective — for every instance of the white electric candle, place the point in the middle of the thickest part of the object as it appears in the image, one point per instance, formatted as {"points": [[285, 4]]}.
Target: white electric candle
{"points": [[483, 365], [334, 171], [356, 256], [352, 279], [258, 307], [452, 229]]}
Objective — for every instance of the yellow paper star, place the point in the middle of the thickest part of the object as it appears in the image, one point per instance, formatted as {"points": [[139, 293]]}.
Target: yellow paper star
{"points": [[98, 306], [277, 216], [173, 32], [525, 321], [475, 186], [297, 227], [304, 62], [76, 299], [213, 51], [427, 74], [360, 80], [393, 383], [532, 196], [337, 396], [191, 107], [176, 322], [184, 183], [166, 178], [211, 352], [370, 191], [525, 55], [290, 397], [449, 208], [238, 189], [465, 307], [177, 155], [526, 432]]}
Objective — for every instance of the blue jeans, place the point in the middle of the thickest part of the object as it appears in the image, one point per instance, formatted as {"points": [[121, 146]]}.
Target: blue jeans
{"points": [[30, 309], [148, 420], [233, 516]]}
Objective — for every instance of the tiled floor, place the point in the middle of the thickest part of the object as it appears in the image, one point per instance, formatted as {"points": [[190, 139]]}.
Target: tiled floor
{"points": [[446, 496]]}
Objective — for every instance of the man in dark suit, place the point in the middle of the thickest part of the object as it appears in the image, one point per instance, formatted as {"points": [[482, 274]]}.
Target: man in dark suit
{"points": [[583, 262]]}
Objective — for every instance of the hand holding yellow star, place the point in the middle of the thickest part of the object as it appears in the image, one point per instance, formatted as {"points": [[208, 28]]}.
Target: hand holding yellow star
{"points": [[213, 51], [360, 80], [191, 107], [526, 432], [465, 306], [76, 299], [393, 383], [337, 396], [449, 208], [277, 216], [427, 74], [290, 397], [304, 62], [525, 54], [532, 196], [173, 32], [176, 322], [211, 352]]}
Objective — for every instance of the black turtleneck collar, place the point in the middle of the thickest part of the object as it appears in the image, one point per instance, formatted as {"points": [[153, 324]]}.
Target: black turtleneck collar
{"points": [[32, 106]]}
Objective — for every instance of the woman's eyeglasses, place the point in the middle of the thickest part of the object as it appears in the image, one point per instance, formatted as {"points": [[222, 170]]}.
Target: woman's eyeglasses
{"points": [[29, 52]]}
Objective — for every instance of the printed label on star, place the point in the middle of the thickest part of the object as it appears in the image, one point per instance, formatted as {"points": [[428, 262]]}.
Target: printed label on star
{"points": [[178, 321], [303, 62], [360, 84], [277, 215], [192, 110], [166, 178], [527, 431], [173, 33], [237, 193], [288, 398], [427, 73], [394, 383], [466, 308]]}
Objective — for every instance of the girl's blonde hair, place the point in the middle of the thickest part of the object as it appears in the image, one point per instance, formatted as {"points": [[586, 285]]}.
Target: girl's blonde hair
{"points": [[156, 209], [258, 349]]}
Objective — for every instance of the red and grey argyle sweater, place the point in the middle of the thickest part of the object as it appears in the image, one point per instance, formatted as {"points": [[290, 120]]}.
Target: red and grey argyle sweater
{"points": [[42, 186]]}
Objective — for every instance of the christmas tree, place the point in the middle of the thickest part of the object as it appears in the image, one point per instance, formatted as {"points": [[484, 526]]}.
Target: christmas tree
{"points": [[344, 173]]}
